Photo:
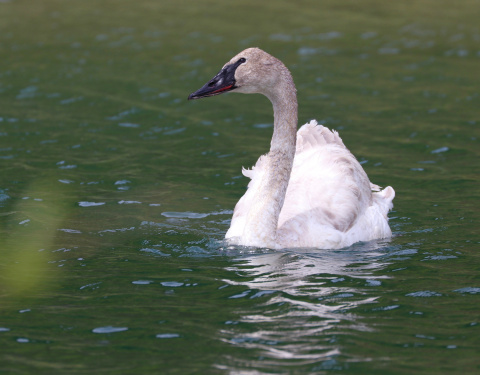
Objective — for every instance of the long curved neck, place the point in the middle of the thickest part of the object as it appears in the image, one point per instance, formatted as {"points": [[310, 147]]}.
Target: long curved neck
{"points": [[262, 220]]}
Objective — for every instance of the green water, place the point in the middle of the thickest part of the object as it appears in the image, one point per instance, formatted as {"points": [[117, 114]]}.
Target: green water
{"points": [[115, 192]]}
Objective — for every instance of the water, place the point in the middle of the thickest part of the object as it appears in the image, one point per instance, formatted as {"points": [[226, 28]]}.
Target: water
{"points": [[116, 192]]}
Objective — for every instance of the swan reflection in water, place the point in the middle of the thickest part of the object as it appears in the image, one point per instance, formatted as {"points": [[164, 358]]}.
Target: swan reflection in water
{"points": [[304, 301]]}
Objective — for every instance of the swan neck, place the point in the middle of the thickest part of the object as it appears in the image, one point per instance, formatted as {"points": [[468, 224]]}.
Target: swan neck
{"points": [[285, 114], [262, 221]]}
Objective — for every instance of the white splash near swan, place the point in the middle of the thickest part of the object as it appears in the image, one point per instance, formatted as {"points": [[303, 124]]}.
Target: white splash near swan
{"points": [[309, 190]]}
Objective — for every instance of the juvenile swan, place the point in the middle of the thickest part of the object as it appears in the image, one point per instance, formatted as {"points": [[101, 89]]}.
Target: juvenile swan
{"points": [[309, 190]]}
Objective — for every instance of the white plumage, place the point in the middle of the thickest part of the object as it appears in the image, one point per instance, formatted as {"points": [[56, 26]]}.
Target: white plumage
{"points": [[309, 190], [329, 201]]}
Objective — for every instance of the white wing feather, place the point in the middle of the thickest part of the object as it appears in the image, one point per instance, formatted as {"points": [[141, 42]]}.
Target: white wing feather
{"points": [[329, 201]]}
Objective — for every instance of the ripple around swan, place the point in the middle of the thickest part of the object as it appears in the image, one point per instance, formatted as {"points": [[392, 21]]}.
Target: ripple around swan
{"points": [[188, 215], [310, 294]]}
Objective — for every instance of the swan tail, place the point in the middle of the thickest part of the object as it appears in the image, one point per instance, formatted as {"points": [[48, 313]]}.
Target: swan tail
{"points": [[384, 198]]}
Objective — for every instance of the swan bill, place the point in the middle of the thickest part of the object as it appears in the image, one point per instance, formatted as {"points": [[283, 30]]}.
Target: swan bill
{"points": [[224, 81]]}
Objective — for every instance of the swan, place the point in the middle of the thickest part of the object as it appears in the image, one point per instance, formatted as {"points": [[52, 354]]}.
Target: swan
{"points": [[309, 190]]}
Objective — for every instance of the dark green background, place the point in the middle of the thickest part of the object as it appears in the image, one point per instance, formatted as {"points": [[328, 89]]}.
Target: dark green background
{"points": [[93, 109]]}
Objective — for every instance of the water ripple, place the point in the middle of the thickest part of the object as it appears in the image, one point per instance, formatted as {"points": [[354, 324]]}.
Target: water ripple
{"points": [[469, 290], [307, 293], [424, 293], [109, 329], [90, 204], [167, 335]]}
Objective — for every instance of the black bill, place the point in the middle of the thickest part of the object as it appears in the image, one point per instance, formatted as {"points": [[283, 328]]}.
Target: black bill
{"points": [[224, 81]]}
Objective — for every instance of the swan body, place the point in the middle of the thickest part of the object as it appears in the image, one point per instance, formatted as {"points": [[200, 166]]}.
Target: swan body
{"points": [[308, 190]]}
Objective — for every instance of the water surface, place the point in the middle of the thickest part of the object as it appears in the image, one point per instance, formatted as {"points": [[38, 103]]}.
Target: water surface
{"points": [[115, 192]]}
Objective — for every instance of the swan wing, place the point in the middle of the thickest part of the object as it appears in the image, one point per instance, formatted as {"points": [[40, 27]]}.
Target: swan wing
{"points": [[329, 201]]}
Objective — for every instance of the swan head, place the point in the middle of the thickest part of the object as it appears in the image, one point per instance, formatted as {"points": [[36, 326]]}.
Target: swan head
{"points": [[250, 71]]}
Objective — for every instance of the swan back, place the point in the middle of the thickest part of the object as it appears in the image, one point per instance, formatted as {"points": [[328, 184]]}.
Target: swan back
{"points": [[329, 201], [336, 200]]}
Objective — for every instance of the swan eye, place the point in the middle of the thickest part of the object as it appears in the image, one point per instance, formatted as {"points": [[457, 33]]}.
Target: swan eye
{"points": [[242, 60]]}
